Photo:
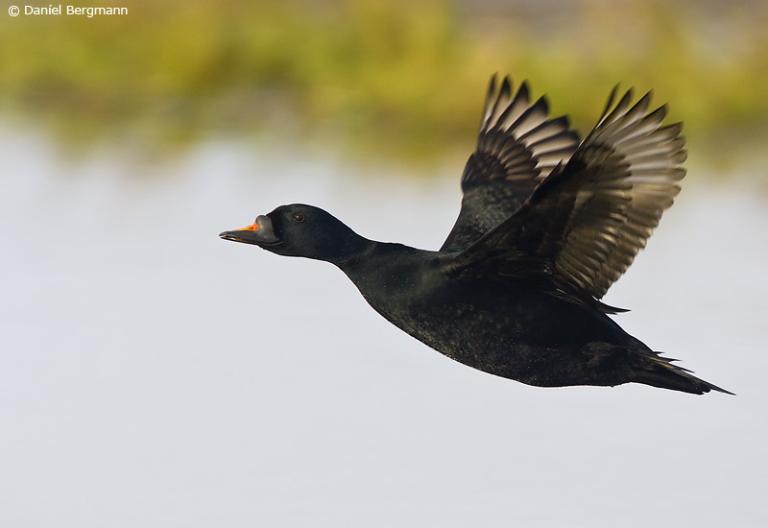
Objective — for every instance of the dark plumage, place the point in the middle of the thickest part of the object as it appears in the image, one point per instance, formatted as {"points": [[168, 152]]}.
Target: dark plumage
{"points": [[547, 224]]}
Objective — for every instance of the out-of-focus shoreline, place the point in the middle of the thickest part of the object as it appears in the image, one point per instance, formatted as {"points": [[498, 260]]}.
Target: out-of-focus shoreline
{"points": [[379, 80]]}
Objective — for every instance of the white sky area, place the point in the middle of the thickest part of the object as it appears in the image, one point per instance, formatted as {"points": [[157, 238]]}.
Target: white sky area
{"points": [[153, 375]]}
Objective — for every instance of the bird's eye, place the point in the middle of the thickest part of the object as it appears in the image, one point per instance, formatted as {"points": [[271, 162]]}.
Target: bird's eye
{"points": [[298, 217]]}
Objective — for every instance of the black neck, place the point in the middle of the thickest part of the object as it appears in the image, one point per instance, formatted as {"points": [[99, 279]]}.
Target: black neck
{"points": [[354, 250]]}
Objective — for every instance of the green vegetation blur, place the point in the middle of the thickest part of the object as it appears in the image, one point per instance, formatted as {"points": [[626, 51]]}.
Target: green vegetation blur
{"points": [[374, 78]]}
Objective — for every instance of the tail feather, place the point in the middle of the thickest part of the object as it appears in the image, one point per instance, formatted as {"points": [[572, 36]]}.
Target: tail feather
{"points": [[659, 371]]}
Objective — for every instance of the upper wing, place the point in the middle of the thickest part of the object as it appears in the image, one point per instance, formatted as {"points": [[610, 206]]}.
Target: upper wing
{"points": [[518, 145], [585, 223]]}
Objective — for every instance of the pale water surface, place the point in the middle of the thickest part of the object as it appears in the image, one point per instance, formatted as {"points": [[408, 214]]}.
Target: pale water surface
{"points": [[153, 375]]}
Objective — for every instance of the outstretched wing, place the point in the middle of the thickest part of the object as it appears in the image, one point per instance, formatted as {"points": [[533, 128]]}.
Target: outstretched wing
{"points": [[584, 224], [517, 147]]}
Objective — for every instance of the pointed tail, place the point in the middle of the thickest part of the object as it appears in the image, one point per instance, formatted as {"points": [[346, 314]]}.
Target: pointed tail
{"points": [[659, 371]]}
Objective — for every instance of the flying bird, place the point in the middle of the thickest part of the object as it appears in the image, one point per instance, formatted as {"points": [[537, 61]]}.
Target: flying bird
{"points": [[548, 222]]}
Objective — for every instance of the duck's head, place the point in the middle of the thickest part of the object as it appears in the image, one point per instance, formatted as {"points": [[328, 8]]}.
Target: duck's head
{"points": [[299, 230]]}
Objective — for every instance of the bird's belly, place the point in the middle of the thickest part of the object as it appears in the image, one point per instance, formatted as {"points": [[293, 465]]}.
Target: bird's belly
{"points": [[533, 340], [478, 339]]}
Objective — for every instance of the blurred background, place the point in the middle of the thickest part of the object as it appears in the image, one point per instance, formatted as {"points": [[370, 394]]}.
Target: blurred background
{"points": [[153, 375]]}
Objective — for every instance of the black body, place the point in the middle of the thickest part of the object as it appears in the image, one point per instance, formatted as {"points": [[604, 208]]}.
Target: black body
{"points": [[548, 222], [507, 328]]}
